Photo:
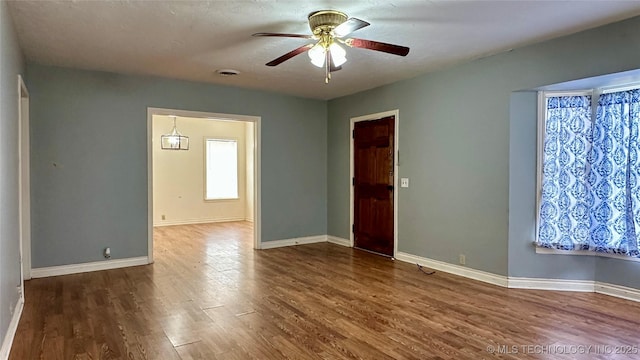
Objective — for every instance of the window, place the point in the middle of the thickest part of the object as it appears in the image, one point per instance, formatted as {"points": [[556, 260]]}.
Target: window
{"points": [[589, 195], [221, 169]]}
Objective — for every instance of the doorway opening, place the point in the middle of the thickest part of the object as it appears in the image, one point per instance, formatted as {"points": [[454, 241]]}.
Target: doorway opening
{"points": [[374, 180], [217, 180]]}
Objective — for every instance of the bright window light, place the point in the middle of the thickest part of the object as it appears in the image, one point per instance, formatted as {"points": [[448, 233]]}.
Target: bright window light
{"points": [[221, 169]]}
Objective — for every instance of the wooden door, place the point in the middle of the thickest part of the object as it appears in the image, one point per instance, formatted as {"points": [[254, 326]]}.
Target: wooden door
{"points": [[373, 156]]}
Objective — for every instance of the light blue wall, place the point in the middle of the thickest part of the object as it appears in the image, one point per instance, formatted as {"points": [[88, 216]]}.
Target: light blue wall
{"points": [[619, 272], [89, 159], [11, 64], [459, 137]]}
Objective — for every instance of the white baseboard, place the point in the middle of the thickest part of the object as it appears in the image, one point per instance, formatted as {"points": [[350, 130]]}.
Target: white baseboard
{"points": [[552, 284], [339, 241], [196, 221], [525, 283], [483, 276], [295, 241], [618, 291], [86, 267], [11, 331]]}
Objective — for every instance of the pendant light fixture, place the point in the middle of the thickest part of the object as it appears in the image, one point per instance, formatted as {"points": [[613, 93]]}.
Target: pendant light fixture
{"points": [[175, 140]]}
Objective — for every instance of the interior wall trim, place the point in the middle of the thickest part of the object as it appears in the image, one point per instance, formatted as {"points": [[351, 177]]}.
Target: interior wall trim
{"points": [[11, 331], [618, 291], [463, 271], [339, 241], [552, 284], [293, 241], [87, 267]]}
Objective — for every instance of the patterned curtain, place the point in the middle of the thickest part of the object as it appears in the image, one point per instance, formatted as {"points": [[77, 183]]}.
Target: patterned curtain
{"points": [[590, 188], [564, 209], [615, 213]]}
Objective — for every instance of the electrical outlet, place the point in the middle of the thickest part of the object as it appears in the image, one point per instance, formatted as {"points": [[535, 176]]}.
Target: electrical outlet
{"points": [[463, 259], [164, 217]]}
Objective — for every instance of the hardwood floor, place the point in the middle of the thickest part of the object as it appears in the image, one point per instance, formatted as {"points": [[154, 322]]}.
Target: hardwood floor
{"points": [[209, 295]]}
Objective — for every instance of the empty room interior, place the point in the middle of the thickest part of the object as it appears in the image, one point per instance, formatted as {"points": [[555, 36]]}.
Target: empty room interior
{"points": [[319, 179]]}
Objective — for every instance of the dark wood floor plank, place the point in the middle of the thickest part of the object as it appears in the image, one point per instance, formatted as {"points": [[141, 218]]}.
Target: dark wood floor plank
{"points": [[209, 295]]}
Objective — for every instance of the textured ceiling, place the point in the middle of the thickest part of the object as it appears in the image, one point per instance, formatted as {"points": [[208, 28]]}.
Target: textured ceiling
{"points": [[191, 39]]}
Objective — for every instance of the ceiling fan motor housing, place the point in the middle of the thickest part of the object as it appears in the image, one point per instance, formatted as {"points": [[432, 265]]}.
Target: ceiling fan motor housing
{"points": [[325, 20]]}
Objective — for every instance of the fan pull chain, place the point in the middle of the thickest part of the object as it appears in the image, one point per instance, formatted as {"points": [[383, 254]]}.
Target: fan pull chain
{"points": [[327, 66]]}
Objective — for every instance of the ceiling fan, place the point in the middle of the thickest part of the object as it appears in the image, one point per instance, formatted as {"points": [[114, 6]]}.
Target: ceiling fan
{"points": [[329, 28]]}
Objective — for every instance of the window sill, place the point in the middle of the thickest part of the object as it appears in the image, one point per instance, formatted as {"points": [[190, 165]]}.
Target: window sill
{"points": [[222, 199], [546, 251]]}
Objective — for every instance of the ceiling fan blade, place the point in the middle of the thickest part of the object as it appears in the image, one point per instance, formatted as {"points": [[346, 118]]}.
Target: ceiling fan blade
{"points": [[349, 26], [283, 35], [378, 46], [289, 55]]}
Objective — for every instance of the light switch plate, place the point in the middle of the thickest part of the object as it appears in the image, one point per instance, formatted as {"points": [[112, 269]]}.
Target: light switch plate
{"points": [[404, 182]]}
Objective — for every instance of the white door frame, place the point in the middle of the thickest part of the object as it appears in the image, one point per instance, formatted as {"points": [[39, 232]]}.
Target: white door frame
{"points": [[24, 183], [257, 227], [395, 113]]}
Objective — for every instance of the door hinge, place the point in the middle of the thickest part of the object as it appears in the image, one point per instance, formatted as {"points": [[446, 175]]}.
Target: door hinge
{"points": [[353, 133], [353, 228], [353, 181]]}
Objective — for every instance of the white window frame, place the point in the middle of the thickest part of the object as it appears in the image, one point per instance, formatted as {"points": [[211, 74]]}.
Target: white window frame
{"points": [[205, 157], [542, 117]]}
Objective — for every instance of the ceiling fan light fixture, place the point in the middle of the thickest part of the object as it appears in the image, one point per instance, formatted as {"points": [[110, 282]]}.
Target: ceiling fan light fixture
{"points": [[329, 28], [317, 55], [338, 54]]}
